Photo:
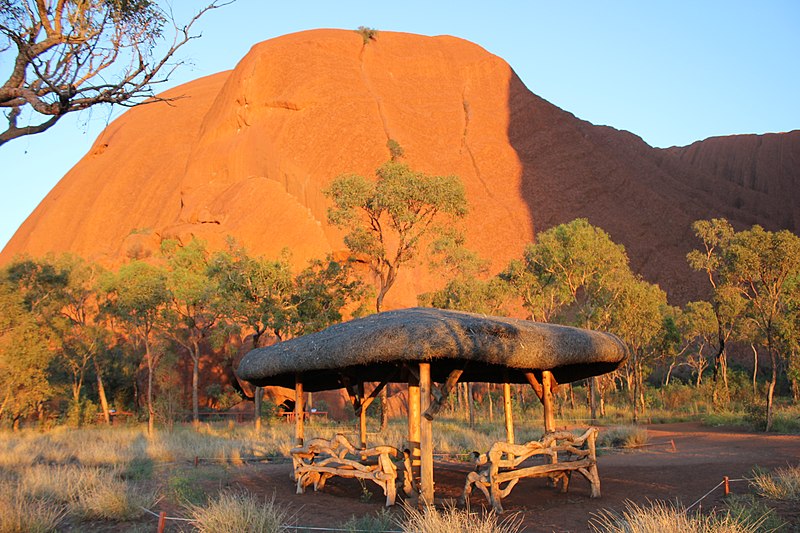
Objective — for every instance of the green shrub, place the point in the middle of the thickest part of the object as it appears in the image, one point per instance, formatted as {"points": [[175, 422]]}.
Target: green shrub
{"points": [[367, 34], [380, 521], [395, 150]]}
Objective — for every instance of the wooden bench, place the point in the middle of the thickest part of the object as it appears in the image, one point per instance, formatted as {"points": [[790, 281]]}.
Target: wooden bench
{"points": [[499, 470], [320, 459]]}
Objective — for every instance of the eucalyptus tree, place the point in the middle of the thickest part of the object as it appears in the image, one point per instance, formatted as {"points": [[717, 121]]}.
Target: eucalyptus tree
{"points": [[389, 219], [716, 235], [575, 274], [640, 317], [25, 355], [196, 304], [266, 297], [79, 326], [67, 56], [766, 267], [137, 297], [467, 287]]}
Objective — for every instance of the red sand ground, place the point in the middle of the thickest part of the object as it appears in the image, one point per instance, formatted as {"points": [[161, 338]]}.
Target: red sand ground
{"points": [[704, 455]]}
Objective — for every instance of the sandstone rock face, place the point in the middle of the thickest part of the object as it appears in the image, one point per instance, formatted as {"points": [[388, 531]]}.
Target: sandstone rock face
{"points": [[768, 165], [247, 153]]}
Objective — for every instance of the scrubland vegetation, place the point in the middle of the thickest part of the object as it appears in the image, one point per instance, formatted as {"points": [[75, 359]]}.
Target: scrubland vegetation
{"points": [[79, 343], [92, 477]]}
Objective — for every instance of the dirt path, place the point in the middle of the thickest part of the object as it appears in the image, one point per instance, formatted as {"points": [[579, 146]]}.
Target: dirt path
{"points": [[703, 456]]}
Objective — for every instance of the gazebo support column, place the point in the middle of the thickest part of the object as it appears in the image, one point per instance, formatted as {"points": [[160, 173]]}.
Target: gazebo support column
{"points": [[426, 435], [547, 401], [299, 408], [508, 413], [414, 417], [362, 417]]}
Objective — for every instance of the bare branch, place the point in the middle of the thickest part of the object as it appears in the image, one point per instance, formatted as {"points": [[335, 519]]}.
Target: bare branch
{"points": [[69, 56]]}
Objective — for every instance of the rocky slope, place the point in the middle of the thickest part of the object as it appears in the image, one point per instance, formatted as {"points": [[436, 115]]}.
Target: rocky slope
{"points": [[247, 153]]}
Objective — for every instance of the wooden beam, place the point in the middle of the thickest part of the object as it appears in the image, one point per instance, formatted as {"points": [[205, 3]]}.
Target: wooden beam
{"points": [[471, 405], [440, 396], [414, 426], [547, 401], [535, 385], [299, 411], [426, 436], [366, 402], [507, 411], [351, 392]]}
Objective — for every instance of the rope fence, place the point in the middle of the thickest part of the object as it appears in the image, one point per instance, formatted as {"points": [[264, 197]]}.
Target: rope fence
{"points": [[162, 516]]}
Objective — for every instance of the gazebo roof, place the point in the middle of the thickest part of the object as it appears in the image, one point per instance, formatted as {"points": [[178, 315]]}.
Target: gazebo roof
{"points": [[487, 348]]}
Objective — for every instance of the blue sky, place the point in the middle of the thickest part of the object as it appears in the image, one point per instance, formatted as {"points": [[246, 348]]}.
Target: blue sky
{"points": [[670, 72]]}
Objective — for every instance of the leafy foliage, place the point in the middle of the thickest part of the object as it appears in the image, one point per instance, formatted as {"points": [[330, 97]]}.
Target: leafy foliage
{"points": [[388, 219]]}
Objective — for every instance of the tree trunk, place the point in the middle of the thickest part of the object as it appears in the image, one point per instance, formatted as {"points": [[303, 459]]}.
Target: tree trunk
{"points": [[669, 373], [635, 402], [592, 384], [195, 385], [257, 396], [773, 380], [101, 393], [151, 413], [755, 369], [384, 409]]}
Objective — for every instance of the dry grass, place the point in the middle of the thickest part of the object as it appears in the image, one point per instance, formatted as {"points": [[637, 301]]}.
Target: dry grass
{"points": [[234, 512], [623, 437], [660, 517], [431, 520], [781, 484], [20, 512]]}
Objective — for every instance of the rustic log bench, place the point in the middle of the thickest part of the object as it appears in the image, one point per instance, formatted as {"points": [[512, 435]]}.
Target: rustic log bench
{"points": [[321, 459], [499, 470]]}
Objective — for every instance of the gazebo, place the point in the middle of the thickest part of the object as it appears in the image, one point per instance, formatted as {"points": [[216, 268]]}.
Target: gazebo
{"points": [[432, 350]]}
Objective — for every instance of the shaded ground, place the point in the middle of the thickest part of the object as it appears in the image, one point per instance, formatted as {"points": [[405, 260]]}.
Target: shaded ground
{"points": [[703, 456]]}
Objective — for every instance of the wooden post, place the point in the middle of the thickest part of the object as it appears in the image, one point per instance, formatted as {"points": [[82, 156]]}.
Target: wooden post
{"points": [[257, 396], [414, 417], [362, 417], [470, 405], [547, 401], [426, 436], [507, 411], [299, 429]]}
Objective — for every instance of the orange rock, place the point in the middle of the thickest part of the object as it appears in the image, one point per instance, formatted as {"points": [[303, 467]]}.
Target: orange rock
{"points": [[247, 153]]}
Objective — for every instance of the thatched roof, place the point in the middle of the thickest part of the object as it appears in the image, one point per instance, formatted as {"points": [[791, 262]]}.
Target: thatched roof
{"points": [[488, 348]]}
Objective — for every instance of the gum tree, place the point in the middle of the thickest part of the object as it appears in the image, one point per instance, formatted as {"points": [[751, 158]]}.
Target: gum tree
{"points": [[389, 219], [64, 56]]}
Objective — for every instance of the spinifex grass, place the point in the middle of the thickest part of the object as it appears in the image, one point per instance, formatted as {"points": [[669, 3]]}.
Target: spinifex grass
{"points": [[660, 517], [780, 484]]}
